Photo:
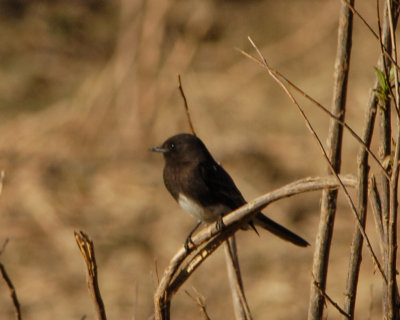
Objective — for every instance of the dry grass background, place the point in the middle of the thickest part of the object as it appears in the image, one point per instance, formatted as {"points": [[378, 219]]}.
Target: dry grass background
{"points": [[87, 87]]}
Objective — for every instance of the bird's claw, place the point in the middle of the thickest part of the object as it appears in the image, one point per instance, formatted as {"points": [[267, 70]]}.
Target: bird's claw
{"points": [[220, 224], [188, 242]]}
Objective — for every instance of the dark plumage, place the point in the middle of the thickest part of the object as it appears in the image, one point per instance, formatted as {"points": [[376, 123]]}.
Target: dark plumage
{"points": [[204, 189]]}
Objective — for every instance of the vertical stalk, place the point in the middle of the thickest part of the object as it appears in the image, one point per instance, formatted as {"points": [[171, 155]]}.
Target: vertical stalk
{"points": [[393, 312], [334, 141], [362, 200], [240, 306]]}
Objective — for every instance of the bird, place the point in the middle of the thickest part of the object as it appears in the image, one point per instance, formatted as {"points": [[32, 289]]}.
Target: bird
{"points": [[205, 190]]}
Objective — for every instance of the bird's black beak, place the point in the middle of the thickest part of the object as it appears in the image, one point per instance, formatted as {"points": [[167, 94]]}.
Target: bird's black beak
{"points": [[158, 149]]}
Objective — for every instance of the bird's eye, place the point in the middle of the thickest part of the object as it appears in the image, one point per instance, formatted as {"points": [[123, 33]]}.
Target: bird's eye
{"points": [[171, 147]]}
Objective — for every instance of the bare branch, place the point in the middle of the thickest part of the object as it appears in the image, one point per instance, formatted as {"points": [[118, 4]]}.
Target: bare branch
{"points": [[201, 303], [13, 293], [334, 147], [86, 247], [241, 307], [189, 119], [331, 301], [393, 310]]}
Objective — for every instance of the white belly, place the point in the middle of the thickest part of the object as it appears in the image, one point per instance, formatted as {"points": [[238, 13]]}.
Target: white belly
{"points": [[208, 214]]}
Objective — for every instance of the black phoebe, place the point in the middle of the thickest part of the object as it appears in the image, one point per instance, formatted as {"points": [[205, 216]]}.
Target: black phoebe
{"points": [[204, 189]]}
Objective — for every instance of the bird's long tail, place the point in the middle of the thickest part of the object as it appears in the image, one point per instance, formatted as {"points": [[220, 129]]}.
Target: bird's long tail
{"points": [[278, 230]]}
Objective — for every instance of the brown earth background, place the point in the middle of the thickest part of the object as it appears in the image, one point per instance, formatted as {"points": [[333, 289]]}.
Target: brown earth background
{"points": [[87, 86]]}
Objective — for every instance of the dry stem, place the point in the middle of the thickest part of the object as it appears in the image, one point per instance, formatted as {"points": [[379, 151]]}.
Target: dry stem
{"points": [[86, 247], [13, 293], [241, 307], [189, 119]]}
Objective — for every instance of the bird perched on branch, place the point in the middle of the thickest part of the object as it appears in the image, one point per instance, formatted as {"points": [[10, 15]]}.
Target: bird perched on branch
{"points": [[204, 189]]}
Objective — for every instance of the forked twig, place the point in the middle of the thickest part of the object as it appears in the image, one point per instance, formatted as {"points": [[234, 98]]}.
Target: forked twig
{"points": [[86, 247], [199, 300], [331, 301]]}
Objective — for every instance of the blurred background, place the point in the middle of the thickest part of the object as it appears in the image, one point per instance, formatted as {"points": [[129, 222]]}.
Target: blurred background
{"points": [[86, 87]]}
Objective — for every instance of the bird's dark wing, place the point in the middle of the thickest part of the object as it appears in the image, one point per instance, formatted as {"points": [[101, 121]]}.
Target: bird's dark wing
{"points": [[221, 185], [223, 190]]}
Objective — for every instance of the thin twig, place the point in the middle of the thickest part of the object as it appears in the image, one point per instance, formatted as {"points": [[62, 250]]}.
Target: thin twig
{"points": [[319, 143], [199, 300], [86, 247], [376, 36], [13, 293], [186, 106], [319, 105], [327, 297]]}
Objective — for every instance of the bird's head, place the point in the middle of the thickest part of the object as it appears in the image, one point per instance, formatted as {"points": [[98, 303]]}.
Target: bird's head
{"points": [[183, 147]]}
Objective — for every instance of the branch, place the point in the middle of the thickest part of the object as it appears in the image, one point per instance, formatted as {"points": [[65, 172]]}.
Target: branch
{"points": [[333, 303], [186, 106], [241, 307], [175, 275], [334, 146], [393, 310], [86, 247], [13, 293], [200, 302]]}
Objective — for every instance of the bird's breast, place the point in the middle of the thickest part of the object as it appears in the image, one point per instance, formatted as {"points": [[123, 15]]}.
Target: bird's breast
{"points": [[205, 214]]}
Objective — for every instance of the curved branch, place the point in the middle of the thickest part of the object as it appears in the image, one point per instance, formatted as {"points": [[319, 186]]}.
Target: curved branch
{"points": [[210, 238]]}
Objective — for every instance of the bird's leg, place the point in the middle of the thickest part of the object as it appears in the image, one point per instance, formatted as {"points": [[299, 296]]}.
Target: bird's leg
{"points": [[189, 237], [220, 223]]}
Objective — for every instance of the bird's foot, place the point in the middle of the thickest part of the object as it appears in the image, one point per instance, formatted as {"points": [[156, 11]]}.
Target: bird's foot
{"points": [[189, 238], [188, 242], [220, 224]]}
